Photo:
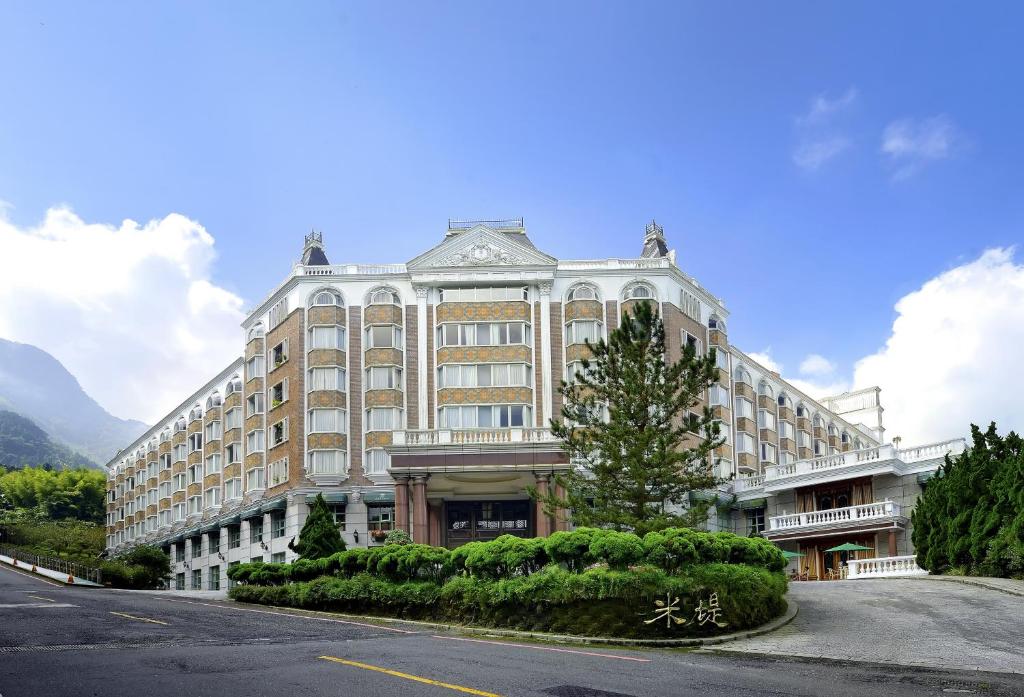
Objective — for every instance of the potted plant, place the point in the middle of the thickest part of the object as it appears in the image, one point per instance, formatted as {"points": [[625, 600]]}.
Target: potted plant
{"points": [[378, 535]]}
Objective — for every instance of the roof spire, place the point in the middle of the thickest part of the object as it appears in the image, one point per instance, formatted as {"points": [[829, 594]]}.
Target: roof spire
{"points": [[654, 241], [313, 250]]}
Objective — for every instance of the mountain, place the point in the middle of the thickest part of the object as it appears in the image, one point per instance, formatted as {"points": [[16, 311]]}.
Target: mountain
{"points": [[36, 385], [22, 443]]}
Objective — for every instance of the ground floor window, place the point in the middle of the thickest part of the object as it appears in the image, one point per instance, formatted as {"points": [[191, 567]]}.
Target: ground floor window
{"points": [[755, 521], [213, 539], [179, 552], [197, 547], [197, 579], [234, 537], [338, 511], [277, 525], [179, 582], [215, 578], [277, 558], [256, 559], [380, 518]]}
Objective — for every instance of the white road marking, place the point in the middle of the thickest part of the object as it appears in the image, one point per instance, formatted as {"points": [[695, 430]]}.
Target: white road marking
{"points": [[51, 604]]}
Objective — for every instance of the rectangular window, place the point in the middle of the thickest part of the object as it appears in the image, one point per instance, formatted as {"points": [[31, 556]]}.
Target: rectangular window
{"points": [[581, 331], [195, 474], [279, 354], [213, 431], [326, 337], [483, 334], [383, 419], [213, 540], [376, 461], [803, 439], [744, 443], [165, 461], [278, 313], [766, 419], [233, 418], [233, 453], [179, 481], [195, 505], [718, 396], [501, 293], [180, 452], [234, 537], [213, 464], [722, 358], [232, 584], [179, 552], [326, 379], [179, 581], [755, 521], [212, 497], [689, 305], [279, 394], [164, 489], [278, 472], [383, 378], [279, 432], [380, 516], [786, 458], [277, 558], [255, 368], [277, 521], [326, 461], [786, 430], [744, 408], [327, 421], [254, 479], [819, 447], [338, 511], [767, 452], [214, 582], [255, 530], [233, 488], [254, 441], [197, 547], [384, 336], [254, 404], [494, 416]]}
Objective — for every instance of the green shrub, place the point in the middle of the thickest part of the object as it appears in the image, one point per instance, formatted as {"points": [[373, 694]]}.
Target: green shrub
{"points": [[617, 549], [571, 548], [397, 536], [671, 549]]}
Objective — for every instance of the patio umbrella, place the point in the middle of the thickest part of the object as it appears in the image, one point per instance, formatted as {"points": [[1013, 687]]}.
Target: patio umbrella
{"points": [[848, 547], [792, 555]]}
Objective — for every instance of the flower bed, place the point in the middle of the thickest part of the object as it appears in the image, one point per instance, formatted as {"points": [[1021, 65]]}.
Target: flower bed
{"points": [[586, 582]]}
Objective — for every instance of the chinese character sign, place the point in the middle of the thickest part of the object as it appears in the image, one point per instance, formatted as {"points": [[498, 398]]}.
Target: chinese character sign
{"points": [[669, 609]]}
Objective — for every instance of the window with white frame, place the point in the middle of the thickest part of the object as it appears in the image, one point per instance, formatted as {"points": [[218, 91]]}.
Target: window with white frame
{"points": [[786, 457], [803, 439], [581, 293], [151, 497], [255, 479], [326, 461], [384, 296], [786, 430], [195, 505], [179, 511], [254, 441], [279, 354], [690, 305], [765, 419], [572, 369], [233, 488], [744, 408], [583, 330], [718, 396], [233, 418], [279, 432], [278, 472], [383, 378], [765, 390], [180, 452], [326, 297], [768, 452], [279, 394], [500, 293], [376, 461], [213, 431], [743, 375], [327, 421], [165, 461], [256, 332], [233, 452], [211, 497], [744, 443], [278, 312], [722, 358], [383, 419], [785, 400], [639, 292], [195, 474], [327, 337], [724, 432], [213, 464], [327, 379], [234, 385], [255, 367], [164, 490], [164, 518], [490, 416], [383, 336], [693, 342], [484, 375], [151, 467], [179, 481], [483, 334], [820, 447]]}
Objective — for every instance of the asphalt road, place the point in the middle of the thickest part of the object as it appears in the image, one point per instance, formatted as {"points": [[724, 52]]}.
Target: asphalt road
{"points": [[74, 641]]}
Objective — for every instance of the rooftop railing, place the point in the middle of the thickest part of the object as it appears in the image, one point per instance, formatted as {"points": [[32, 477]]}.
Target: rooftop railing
{"points": [[504, 224]]}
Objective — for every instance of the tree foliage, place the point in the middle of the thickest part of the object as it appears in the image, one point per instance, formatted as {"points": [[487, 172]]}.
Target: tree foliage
{"points": [[319, 536], [54, 494], [970, 517], [653, 448]]}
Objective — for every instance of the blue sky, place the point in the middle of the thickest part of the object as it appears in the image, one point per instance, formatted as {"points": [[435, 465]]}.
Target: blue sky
{"points": [[376, 122]]}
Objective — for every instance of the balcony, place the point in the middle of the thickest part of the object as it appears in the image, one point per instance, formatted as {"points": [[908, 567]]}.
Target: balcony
{"points": [[476, 450], [884, 459], [474, 436], [862, 518]]}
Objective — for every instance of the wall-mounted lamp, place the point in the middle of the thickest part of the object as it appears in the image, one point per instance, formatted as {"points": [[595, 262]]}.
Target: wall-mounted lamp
{"points": [[355, 536], [186, 565], [264, 545], [220, 556]]}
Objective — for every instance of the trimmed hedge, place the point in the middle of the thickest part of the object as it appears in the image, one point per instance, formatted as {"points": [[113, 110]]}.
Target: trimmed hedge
{"points": [[596, 602]]}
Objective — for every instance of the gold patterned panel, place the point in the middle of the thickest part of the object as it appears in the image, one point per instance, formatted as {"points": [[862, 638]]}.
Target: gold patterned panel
{"points": [[232, 400], [382, 356], [769, 436], [721, 412], [212, 414], [383, 398], [327, 398], [747, 425], [325, 358], [233, 435], [766, 402], [484, 354], [211, 480], [195, 458], [803, 423], [833, 441], [178, 467], [253, 422], [163, 476], [787, 444], [819, 433], [194, 490], [577, 352], [232, 471], [717, 338], [254, 348], [164, 448], [805, 453], [151, 509], [178, 497], [746, 460], [378, 439], [786, 414], [382, 314], [742, 389], [485, 395], [326, 315], [253, 460], [327, 441], [483, 312], [583, 309], [178, 438]]}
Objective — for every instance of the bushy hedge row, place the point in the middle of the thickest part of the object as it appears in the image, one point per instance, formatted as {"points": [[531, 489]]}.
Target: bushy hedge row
{"points": [[595, 602], [507, 557]]}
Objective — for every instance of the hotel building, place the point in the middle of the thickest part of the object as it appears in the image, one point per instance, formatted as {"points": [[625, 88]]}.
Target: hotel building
{"points": [[416, 396]]}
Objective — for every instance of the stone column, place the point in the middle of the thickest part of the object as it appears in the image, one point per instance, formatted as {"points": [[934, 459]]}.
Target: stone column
{"points": [[419, 512], [543, 521], [434, 524], [421, 354], [892, 543], [402, 503], [561, 514], [545, 352]]}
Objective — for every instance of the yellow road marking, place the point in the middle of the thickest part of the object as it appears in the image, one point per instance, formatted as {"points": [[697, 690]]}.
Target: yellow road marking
{"points": [[133, 617], [49, 600], [407, 676]]}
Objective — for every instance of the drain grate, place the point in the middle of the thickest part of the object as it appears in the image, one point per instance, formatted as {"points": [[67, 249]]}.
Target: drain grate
{"points": [[581, 691]]}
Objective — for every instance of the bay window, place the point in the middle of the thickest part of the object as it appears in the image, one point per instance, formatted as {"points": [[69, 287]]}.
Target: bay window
{"points": [[327, 379], [327, 421], [330, 337]]}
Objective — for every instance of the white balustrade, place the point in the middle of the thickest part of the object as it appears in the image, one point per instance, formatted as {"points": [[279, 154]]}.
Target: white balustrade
{"points": [[474, 436], [884, 567], [835, 516], [932, 450]]}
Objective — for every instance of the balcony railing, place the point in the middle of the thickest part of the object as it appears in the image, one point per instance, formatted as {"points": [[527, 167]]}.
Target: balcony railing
{"points": [[835, 517], [884, 567], [474, 436]]}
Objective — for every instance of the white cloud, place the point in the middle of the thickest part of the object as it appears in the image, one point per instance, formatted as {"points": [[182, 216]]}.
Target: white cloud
{"points": [[819, 390], [954, 355], [765, 359], [818, 139], [911, 145], [131, 311], [815, 364]]}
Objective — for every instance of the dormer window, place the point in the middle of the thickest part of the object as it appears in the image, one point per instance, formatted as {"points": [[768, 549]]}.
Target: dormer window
{"points": [[785, 401], [581, 293], [384, 296], [235, 385], [326, 297], [179, 425], [213, 401], [639, 292], [715, 322], [743, 375], [196, 413], [256, 332], [765, 390]]}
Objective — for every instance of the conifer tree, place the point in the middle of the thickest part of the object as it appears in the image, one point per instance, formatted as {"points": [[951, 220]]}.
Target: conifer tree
{"points": [[629, 417], [319, 536]]}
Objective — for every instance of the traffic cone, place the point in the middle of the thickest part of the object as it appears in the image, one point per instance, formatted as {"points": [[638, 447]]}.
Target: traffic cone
{"points": [[71, 579], [33, 568]]}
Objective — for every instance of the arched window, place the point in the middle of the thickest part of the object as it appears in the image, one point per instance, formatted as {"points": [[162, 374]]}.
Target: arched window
{"points": [[165, 435], [213, 401], [256, 332], [785, 401], [383, 296], [742, 375], [801, 411], [179, 425], [581, 292], [234, 385], [196, 413], [638, 291], [817, 421], [857, 445], [845, 437], [326, 297], [716, 322], [832, 430], [765, 390]]}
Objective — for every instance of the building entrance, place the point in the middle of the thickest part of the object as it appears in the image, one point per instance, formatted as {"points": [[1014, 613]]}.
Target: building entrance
{"points": [[471, 521]]}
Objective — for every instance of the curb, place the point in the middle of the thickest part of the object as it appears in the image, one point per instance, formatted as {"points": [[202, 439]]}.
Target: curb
{"points": [[39, 572], [791, 611]]}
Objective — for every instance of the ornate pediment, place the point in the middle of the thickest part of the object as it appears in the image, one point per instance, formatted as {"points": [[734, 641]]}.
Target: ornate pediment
{"points": [[482, 247]]}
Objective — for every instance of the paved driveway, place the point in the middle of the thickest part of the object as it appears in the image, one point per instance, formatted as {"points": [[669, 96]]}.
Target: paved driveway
{"points": [[901, 621]]}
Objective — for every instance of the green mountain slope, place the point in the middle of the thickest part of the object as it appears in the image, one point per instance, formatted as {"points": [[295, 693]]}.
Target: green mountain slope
{"points": [[24, 444]]}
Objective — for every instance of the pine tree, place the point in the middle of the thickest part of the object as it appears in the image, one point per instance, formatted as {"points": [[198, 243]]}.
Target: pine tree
{"points": [[319, 536], [652, 449]]}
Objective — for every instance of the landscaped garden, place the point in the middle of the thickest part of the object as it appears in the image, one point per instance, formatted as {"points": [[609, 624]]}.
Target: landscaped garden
{"points": [[588, 582]]}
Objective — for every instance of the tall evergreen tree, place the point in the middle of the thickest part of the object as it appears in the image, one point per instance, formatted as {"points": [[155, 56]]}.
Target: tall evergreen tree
{"points": [[643, 459], [319, 536]]}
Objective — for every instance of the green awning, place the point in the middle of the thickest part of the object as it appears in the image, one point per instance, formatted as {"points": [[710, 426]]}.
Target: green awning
{"points": [[752, 503], [280, 504], [379, 496], [175, 539], [709, 496], [792, 555], [253, 512], [194, 532], [329, 497], [233, 520], [210, 527]]}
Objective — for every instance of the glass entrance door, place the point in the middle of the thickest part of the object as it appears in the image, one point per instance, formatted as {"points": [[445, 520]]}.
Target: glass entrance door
{"points": [[470, 521]]}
